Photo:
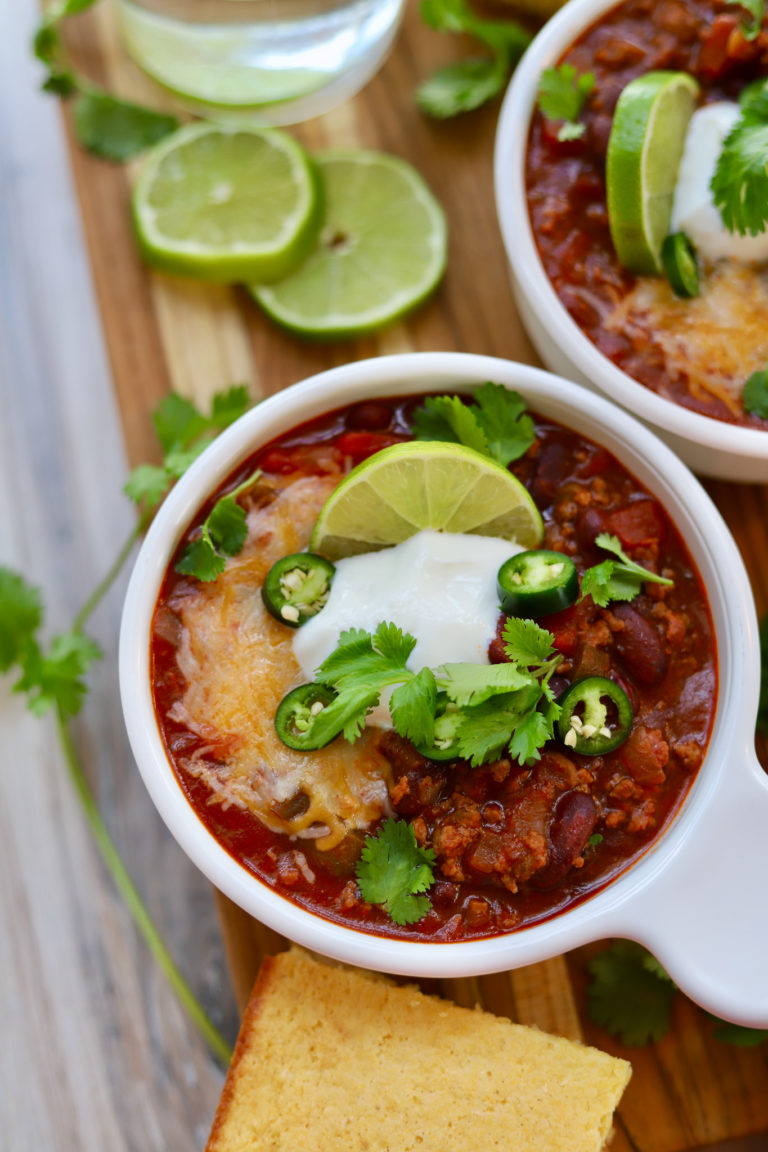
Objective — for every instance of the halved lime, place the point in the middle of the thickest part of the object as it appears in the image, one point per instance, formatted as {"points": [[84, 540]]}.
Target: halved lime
{"points": [[380, 251], [227, 203], [644, 151], [409, 487]]}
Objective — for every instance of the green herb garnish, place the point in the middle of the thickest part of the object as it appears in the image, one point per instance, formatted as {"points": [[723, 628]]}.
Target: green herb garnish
{"points": [[491, 707], [630, 994], [754, 395], [106, 126], [53, 676], [496, 423], [739, 184], [395, 872], [755, 9], [619, 579], [223, 533], [470, 83], [562, 95]]}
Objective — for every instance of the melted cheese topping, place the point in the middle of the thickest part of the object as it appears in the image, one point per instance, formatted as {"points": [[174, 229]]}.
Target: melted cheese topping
{"points": [[238, 664], [713, 341]]}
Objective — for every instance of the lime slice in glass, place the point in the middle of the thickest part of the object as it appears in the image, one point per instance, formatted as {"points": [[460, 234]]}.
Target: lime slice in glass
{"points": [[644, 151], [410, 487], [227, 203], [380, 251]]}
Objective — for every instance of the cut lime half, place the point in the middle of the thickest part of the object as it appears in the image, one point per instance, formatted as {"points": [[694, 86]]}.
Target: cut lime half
{"points": [[419, 485], [380, 251], [644, 151], [227, 203]]}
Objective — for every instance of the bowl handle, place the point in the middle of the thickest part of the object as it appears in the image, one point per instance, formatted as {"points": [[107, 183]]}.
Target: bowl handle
{"points": [[704, 915]]}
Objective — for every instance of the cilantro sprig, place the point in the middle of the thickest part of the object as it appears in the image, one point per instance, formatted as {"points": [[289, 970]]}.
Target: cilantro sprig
{"points": [[619, 579], [482, 709], [495, 423], [222, 534], [395, 872], [53, 675], [470, 83], [562, 95], [754, 395], [631, 995], [752, 20], [739, 183], [105, 125]]}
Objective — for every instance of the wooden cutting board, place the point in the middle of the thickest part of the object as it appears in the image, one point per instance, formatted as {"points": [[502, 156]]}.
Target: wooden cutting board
{"points": [[163, 333]]}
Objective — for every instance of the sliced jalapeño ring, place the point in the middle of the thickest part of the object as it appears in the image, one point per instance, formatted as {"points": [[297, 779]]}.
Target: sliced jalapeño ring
{"points": [[537, 583], [296, 714], [297, 587], [595, 716]]}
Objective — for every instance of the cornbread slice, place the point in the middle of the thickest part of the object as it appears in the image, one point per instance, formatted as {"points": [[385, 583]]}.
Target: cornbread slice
{"points": [[330, 1060]]}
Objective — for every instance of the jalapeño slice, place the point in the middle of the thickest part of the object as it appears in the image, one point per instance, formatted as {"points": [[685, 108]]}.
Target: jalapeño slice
{"points": [[537, 583], [681, 268], [595, 716], [296, 713], [297, 587]]}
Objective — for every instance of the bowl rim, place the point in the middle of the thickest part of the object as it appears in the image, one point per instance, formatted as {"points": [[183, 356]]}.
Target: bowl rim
{"points": [[553, 39], [714, 552]]}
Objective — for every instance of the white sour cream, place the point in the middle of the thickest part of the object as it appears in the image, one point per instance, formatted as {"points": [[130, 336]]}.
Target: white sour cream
{"points": [[694, 211], [439, 586]]}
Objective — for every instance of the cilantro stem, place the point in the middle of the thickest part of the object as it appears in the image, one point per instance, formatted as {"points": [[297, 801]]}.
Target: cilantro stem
{"points": [[104, 585], [133, 900]]}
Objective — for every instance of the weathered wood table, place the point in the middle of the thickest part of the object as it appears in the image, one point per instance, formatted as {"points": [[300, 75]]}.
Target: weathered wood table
{"points": [[97, 1053]]}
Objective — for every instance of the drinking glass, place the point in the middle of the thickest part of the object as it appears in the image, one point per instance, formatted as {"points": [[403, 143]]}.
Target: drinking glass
{"points": [[272, 61]]}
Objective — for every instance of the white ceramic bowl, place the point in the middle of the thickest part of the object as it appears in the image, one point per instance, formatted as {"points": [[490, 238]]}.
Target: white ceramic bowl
{"points": [[696, 899], [710, 447]]}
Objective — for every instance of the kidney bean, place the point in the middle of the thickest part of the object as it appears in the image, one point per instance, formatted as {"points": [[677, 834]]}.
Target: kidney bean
{"points": [[639, 646], [573, 822]]}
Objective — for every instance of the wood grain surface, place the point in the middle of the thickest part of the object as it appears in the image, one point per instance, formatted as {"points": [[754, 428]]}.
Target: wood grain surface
{"points": [[90, 340]]}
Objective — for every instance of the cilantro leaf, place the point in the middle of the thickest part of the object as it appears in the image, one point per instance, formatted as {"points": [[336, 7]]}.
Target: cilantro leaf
{"points": [[628, 996], [754, 395], [616, 580], [56, 678], [117, 129], [223, 533], [394, 871], [527, 642], [531, 732], [460, 87], [184, 432], [470, 684], [21, 614], [562, 95], [739, 184], [378, 659], [413, 707], [755, 8], [468, 84], [509, 429], [449, 419], [485, 730], [740, 1036], [496, 423]]}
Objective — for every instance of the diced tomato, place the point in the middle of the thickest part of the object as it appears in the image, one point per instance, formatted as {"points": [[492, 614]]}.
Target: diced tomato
{"points": [[638, 524], [358, 446], [714, 51]]}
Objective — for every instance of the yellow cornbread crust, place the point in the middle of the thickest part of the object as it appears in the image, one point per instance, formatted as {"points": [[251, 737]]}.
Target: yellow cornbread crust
{"points": [[330, 1059]]}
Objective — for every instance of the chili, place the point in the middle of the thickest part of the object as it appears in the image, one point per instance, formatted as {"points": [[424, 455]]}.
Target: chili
{"points": [[537, 583]]}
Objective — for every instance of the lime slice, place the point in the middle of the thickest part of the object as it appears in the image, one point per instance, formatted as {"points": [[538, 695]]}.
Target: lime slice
{"points": [[380, 251], [409, 487], [227, 203], [644, 152]]}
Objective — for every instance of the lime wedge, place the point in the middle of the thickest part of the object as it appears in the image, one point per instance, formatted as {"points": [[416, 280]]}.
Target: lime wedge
{"points": [[227, 203], [409, 487], [380, 251], [644, 151]]}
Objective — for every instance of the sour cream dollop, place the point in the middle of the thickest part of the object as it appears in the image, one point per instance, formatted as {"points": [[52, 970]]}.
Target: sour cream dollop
{"points": [[439, 586], [693, 210]]}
